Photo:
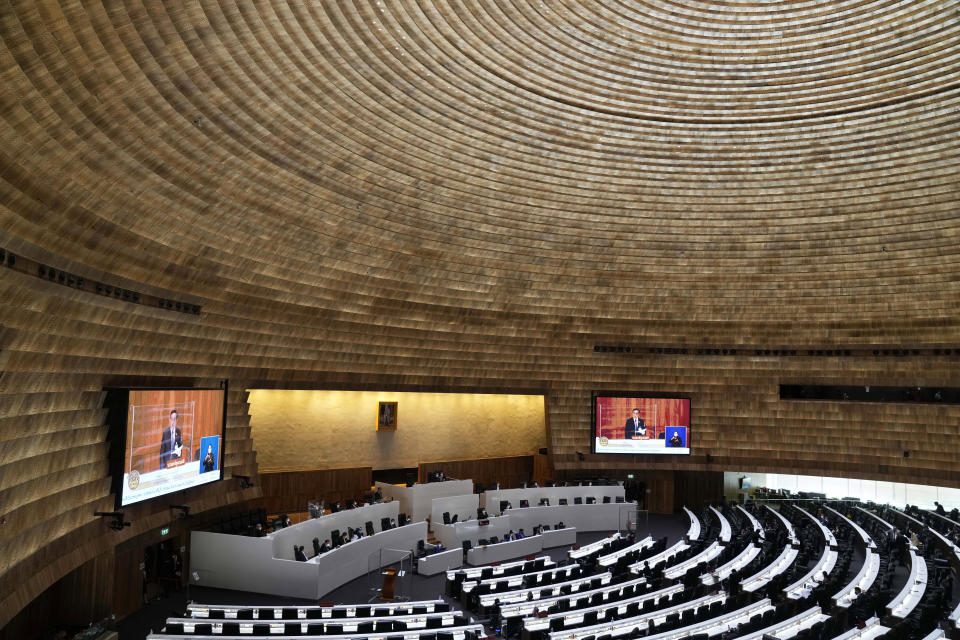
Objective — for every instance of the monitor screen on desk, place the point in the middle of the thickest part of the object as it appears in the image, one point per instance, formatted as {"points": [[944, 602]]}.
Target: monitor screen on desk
{"points": [[164, 440], [640, 424]]}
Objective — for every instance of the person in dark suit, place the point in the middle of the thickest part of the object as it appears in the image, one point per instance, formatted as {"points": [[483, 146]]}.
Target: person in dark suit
{"points": [[172, 441], [208, 461], [635, 427], [676, 440], [298, 553]]}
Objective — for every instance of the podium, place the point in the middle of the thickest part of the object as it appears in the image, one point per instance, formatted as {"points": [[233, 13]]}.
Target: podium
{"points": [[389, 584]]}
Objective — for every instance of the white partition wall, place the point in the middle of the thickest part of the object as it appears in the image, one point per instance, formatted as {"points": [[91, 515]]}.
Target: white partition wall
{"points": [[416, 501], [464, 507], [582, 517], [553, 494], [247, 564], [304, 532]]}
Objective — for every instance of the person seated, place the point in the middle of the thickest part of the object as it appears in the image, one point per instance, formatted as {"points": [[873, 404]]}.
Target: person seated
{"points": [[393, 523], [356, 535], [298, 553], [940, 510], [510, 536], [521, 535], [325, 546], [560, 525]]}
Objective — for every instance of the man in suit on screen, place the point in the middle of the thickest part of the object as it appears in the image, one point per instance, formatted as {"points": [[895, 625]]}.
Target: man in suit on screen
{"points": [[635, 427], [171, 445]]}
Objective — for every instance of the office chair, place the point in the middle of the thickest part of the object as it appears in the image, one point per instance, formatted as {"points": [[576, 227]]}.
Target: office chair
{"points": [[446, 517], [606, 499], [368, 525], [578, 500], [563, 501]]}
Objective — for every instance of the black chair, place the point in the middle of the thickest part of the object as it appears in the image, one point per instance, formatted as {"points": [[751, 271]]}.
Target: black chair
{"points": [[482, 542], [446, 517], [619, 499], [563, 501], [314, 614], [217, 614], [606, 499], [383, 625], [363, 612], [441, 607], [398, 625], [231, 629], [578, 500], [290, 614], [454, 518], [261, 629], [339, 613], [334, 629], [556, 624], [494, 539], [365, 627], [434, 623], [292, 629], [368, 525], [336, 538], [590, 617], [315, 629], [246, 614], [591, 500], [402, 519], [466, 546], [204, 629], [419, 610], [380, 612], [385, 524], [173, 627]]}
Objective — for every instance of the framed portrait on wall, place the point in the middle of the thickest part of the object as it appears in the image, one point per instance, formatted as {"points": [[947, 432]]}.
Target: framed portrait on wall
{"points": [[386, 416]]}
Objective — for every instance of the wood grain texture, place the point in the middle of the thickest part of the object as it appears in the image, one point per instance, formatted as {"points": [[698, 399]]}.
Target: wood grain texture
{"points": [[465, 196], [510, 471], [290, 491]]}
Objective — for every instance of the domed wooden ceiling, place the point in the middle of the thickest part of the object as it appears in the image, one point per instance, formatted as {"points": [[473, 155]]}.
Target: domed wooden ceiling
{"points": [[704, 160]]}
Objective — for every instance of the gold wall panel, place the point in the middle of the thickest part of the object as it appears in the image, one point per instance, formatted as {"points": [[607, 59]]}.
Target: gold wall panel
{"points": [[296, 430]]}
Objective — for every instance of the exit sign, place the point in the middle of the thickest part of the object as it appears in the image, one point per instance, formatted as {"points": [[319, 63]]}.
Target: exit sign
{"points": [[164, 531]]}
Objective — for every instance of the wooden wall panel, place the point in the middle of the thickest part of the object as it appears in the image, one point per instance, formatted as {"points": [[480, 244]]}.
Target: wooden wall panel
{"points": [[510, 471], [292, 490], [356, 208]]}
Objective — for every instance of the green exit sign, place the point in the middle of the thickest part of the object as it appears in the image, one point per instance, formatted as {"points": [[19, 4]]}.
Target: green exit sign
{"points": [[629, 476], [164, 531]]}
